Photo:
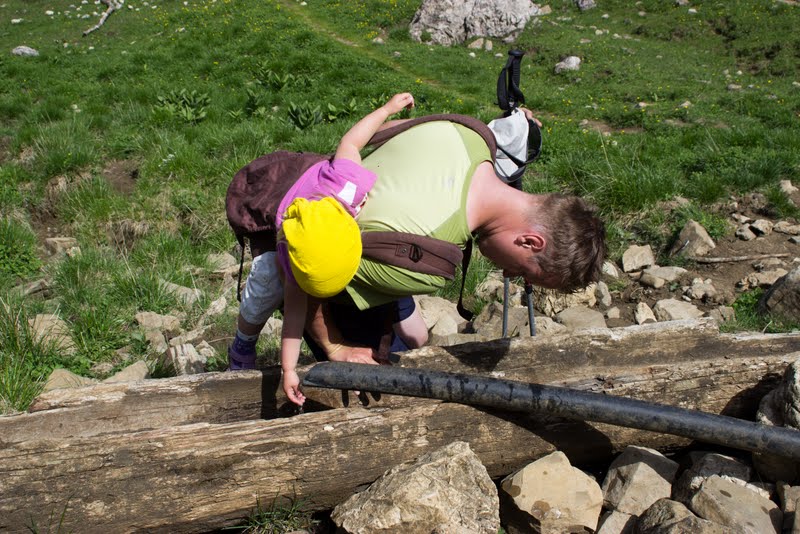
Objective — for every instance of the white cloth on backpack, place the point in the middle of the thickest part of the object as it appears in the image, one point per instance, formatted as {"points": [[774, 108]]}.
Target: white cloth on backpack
{"points": [[511, 134]]}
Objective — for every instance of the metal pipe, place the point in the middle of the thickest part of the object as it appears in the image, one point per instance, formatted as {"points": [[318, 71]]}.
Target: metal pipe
{"points": [[564, 402]]}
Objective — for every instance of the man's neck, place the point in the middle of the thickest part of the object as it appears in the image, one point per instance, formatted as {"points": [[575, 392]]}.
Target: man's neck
{"points": [[491, 204]]}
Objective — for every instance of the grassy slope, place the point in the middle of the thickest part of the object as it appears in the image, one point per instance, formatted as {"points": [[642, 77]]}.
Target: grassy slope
{"points": [[88, 101]]}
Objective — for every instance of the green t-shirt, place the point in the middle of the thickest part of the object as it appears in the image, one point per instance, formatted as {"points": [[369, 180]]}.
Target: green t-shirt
{"points": [[424, 176]]}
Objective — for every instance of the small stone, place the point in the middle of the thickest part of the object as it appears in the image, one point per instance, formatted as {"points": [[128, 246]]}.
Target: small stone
{"points": [[723, 314], [191, 336], [706, 466], [787, 187], [666, 516], [59, 245], [636, 479], [614, 313], [733, 506], [221, 261], [62, 378], [571, 63], [761, 227], [637, 257], [186, 295], [553, 495], [183, 360], [602, 294], [25, 51], [156, 340], [693, 241], [447, 490], [155, 321], [745, 233], [649, 280], [581, 317], [675, 310], [50, 328], [610, 269], [785, 227], [132, 373], [643, 314], [477, 44], [668, 274], [701, 290], [614, 522]]}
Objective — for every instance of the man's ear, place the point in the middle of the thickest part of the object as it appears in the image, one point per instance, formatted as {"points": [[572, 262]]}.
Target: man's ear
{"points": [[533, 241]]}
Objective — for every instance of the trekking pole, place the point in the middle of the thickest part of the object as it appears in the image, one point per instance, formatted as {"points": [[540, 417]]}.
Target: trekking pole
{"points": [[504, 332]]}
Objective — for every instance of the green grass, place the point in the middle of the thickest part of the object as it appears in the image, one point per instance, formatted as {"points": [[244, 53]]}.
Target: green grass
{"points": [[188, 94], [277, 518], [748, 317]]}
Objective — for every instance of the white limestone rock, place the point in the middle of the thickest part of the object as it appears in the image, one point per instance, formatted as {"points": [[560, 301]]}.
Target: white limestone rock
{"points": [[637, 257], [636, 479], [446, 491], [553, 496], [736, 507], [675, 310]]}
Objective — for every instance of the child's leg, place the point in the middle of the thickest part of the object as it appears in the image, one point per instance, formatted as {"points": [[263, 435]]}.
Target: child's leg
{"points": [[262, 295], [410, 327]]}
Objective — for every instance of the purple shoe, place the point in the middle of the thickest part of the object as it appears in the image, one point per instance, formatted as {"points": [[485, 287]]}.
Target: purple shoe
{"points": [[240, 362]]}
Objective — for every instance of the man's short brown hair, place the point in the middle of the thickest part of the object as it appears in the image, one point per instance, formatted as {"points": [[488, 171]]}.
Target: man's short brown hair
{"points": [[575, 251]]}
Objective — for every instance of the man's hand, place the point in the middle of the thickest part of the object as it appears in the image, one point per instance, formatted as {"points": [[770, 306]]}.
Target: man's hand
{"points": [[291, 386], [342, 353]]}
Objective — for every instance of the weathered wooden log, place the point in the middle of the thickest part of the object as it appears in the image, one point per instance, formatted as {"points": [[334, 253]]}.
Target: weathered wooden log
{"points": [[190, 454], [590, 359], [200, 476]]}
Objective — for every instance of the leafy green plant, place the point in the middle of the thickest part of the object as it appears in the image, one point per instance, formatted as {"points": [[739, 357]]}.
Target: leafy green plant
{"points": [[333, 113], [188, 106], [271, 79], [304, 115], [255, 106]]}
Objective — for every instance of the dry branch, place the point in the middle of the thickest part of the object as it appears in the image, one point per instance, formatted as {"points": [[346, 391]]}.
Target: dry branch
{"points": [[113, 5], [731, 259]]}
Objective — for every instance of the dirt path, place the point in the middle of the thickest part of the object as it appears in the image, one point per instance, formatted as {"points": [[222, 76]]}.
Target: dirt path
{"points": [[368, 51]]}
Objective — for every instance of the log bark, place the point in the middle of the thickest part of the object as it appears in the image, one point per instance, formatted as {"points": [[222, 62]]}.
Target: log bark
{"points": [[178, 474], [585, 357]]}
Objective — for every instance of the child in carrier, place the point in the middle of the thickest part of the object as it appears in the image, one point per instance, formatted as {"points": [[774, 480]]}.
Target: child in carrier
{"points": [[319, 245]]}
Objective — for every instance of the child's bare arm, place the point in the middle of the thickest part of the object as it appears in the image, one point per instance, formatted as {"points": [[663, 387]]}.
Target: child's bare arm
{"points": [[294, 306], [357, 137]]}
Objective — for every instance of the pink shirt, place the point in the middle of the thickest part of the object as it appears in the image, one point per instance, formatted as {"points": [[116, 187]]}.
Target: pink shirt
{"points": [[342, 179]]}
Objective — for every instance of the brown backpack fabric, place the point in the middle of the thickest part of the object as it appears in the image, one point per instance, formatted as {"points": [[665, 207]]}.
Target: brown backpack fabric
{"points": [[257, 189]]}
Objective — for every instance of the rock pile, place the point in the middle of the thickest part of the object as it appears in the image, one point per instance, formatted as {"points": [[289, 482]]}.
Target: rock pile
{"points": [[643, 491]]}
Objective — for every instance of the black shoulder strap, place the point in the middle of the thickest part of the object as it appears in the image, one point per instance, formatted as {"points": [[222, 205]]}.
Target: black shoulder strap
{"points": [[462, 311]]}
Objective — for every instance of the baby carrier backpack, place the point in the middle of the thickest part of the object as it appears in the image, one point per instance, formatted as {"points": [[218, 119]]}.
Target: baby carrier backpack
{"points": [[257, 189]]}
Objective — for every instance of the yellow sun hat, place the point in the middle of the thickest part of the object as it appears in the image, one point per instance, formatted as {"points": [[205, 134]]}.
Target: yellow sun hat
{"points": [[324, 245]]}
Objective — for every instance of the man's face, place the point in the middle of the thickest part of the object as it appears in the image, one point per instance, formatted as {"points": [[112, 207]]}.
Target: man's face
{"points": [[515, 260]]}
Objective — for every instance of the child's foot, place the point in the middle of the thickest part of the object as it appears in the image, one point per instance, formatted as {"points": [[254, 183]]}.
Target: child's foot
{"points": [[240, 361]]}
